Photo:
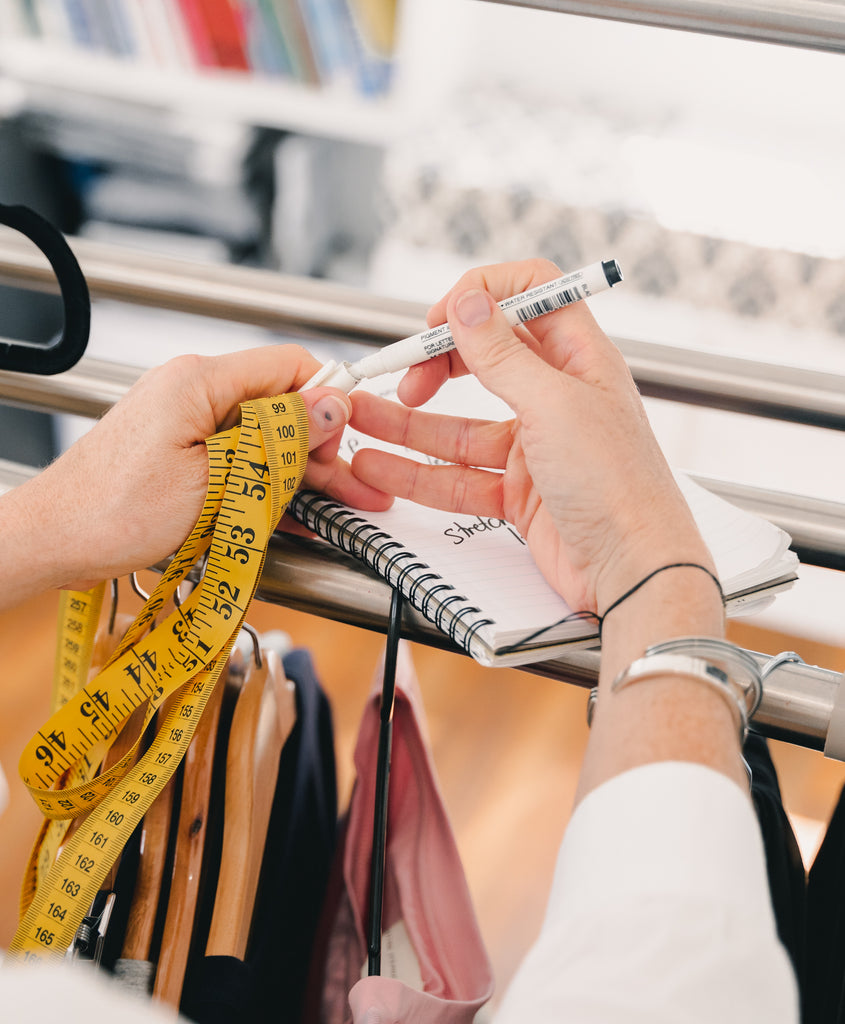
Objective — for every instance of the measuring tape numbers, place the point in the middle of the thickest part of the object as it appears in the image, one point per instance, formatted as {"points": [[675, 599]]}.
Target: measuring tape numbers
{"points": [[254, 470], [79, 613]]}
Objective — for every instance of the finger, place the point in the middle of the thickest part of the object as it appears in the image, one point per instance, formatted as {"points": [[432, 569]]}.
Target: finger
{"points": [[255, 373], [451, 488], [495, 353], [501, 280], [287, 524], [328, 450], [338, 481], [561, 337], [472, 442], [424, 380], [329, 410]]}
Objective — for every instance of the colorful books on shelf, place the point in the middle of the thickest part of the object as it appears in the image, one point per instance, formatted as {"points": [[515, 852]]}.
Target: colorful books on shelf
{"points": [[474, 577], [314, 42]]}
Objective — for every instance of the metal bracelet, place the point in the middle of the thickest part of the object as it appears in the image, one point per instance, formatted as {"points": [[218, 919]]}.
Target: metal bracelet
{"points": [[722, 666], [739, 665]]}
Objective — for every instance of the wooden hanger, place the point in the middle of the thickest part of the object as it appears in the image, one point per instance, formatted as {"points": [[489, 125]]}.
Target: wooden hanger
{"points": [[263, 719], [197, 768], [135, 966]]}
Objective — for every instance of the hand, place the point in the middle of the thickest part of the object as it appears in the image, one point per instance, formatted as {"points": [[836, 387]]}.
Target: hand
{"points": [[577, 470], [128, 493]]}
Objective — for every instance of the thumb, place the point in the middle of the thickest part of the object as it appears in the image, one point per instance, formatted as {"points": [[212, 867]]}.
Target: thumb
{"points": [[328, 413], [492, 351]]}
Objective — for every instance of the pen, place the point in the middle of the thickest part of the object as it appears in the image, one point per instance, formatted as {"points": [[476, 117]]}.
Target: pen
{"points": [[545, 298]]}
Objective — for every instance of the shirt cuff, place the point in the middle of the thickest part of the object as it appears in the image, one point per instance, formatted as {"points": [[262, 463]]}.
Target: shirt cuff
{"points": [[662, 829]]}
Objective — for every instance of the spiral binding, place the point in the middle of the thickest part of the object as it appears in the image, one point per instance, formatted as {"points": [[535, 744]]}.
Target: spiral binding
{"points": [[426, 590]]}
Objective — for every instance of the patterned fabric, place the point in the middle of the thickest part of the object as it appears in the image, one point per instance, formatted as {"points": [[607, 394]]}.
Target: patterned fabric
{"points": [[497, 179]]}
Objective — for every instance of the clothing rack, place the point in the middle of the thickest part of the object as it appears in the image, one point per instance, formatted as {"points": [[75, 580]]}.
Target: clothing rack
{"points": [[799, 700]]}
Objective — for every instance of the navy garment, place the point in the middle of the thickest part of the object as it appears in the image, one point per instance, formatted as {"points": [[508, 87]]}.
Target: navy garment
{"points": [[220, 988], [270, 985], [784, 864], [824, 990]]}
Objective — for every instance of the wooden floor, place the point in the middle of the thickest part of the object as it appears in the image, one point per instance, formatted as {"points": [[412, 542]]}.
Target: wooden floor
{"points": [[507, 746]]}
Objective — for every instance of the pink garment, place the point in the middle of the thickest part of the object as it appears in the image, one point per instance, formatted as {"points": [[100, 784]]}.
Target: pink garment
{"points": [[426, 898]]}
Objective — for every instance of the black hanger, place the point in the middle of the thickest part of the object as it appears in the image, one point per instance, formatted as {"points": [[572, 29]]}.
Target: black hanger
{"points": [[64, 352], [385, 742]]}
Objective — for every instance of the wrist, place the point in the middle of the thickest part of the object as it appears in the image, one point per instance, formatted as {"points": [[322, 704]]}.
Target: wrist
{"points": [[644, 551], [681, 601], [669, 567]]}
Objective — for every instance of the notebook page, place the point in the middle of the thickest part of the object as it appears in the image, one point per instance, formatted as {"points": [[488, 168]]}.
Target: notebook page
{"points": [[746, 548], [485, 561]]}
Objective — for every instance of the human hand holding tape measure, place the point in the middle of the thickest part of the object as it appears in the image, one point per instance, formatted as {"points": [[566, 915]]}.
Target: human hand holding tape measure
{"points": [[152, 472], [194, 451], [126, 494]]}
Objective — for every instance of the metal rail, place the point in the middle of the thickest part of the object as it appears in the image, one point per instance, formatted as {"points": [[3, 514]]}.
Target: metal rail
{"points": [[810, 24], [306, 308], [244, 294], [312, 576]]}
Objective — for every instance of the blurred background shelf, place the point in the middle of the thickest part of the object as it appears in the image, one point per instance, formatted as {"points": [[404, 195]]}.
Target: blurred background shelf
{"points": [[334, 111]]}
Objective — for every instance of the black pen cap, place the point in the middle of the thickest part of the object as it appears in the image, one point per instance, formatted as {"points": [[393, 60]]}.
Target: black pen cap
{"points": [[612, 272]]}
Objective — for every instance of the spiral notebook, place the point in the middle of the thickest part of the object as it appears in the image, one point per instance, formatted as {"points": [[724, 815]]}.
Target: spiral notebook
{"points": [[474, 577]]}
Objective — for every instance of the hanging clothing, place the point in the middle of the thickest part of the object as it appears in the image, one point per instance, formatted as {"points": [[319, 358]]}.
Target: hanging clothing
{"points": [[269, 986], [824, 971], [434, 965], [784, 864]]}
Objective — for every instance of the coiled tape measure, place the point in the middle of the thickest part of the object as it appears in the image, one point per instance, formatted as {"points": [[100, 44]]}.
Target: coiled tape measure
{"points": [[254, 470]]}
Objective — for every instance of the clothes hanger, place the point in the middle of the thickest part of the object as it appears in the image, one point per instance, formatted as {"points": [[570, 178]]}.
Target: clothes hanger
{"points": [[385, 741], [264, 716], [183, 900], [65, 351], [135, 967]]}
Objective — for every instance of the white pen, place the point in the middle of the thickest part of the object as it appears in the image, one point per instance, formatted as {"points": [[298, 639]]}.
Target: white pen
{"points": [[545, 298]]}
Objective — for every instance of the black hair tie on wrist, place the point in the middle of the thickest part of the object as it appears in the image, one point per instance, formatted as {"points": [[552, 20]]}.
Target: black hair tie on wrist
{"points": [[65, 351], [651, 575]]}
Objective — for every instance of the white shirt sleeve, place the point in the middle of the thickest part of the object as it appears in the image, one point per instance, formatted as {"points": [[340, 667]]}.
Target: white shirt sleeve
{"points": [[659, 911]]}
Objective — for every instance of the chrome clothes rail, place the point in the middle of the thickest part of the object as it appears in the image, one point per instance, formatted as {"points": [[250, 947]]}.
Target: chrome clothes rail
{"points": [[304, 307], [244, 294], [312, 576], [812, 24]]}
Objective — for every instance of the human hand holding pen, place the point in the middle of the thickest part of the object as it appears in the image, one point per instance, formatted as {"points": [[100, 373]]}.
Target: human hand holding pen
{"points": [[578, 470]]}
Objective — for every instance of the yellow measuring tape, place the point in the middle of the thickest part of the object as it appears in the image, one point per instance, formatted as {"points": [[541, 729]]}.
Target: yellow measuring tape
{"points": [[78, 616], [254, 471]]}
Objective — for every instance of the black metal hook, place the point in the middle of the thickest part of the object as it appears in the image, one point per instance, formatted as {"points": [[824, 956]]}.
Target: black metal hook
{"points": [[65, 351]]}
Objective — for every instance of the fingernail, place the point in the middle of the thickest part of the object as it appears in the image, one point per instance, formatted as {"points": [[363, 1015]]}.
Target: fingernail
{"points": [[330, 413], [473, 308]]}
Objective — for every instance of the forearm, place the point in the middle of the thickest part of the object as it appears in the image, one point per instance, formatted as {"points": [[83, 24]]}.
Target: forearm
{"points": [[667, 718], [32, 551]]}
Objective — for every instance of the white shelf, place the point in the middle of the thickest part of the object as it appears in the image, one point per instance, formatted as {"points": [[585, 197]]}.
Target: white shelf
{"points": [[332, 112]]}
